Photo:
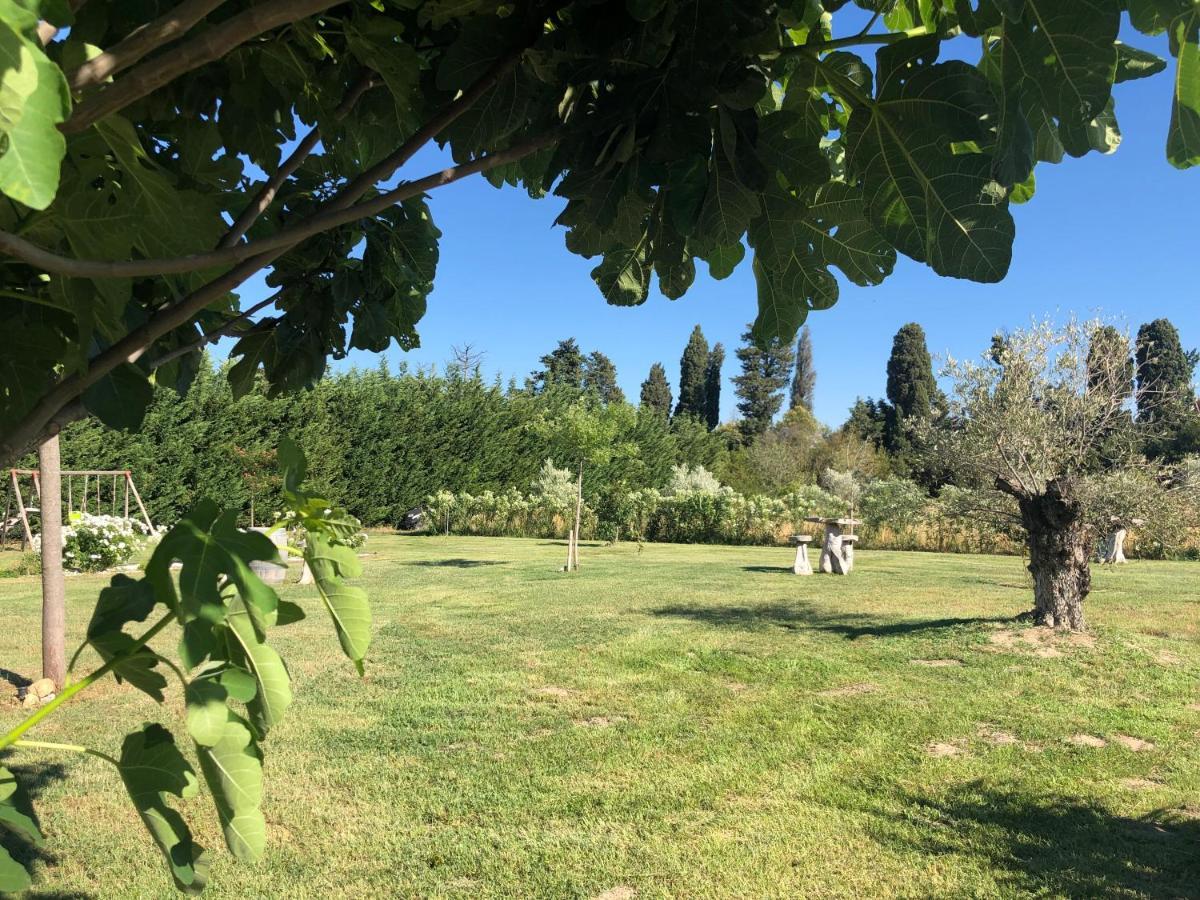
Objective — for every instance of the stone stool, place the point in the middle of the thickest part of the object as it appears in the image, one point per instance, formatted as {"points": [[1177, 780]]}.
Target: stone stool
{"points": [[847, 554], [802, 566]]}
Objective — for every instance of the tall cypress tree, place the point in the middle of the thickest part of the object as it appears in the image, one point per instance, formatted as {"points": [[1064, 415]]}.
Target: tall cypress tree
{"points": [[804, 381], [693, 366], [600, 378], [712, 387], [765, 374], [911, 387], [1164, 370], [656, 393]]}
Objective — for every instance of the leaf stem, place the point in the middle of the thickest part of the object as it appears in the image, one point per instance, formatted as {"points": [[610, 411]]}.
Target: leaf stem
{"points": [[68, 748], [854, 40], [72, 689]]}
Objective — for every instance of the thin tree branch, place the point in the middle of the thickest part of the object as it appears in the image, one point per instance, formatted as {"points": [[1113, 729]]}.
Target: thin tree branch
{"points": [[217, 333], [140, 41], [335, 215], [211, 45], [130, 348], [263, 199], [47, 261]]}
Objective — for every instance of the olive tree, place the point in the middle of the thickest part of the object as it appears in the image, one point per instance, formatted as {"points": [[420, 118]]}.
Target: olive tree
{"points": [[1040, 440]]}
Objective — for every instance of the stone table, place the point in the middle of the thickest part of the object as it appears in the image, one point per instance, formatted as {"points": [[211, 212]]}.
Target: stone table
{"points": [[837, 552], [802, 566]]}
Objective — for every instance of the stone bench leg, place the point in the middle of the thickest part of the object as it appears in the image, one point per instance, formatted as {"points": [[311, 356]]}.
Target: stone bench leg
{"points": [[802, 566], [831, 552]]}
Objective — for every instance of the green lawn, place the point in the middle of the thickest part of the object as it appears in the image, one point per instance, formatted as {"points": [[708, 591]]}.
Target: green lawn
{"points": [[684, 722]]}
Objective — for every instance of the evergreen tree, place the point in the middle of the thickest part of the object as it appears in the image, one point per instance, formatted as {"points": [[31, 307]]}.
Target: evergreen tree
{"points": [[911, 388], [656, 393], [1166, 401], [562, 367], [600, 378], [804, 381], [712, 387], [1164, 370], [868, 421], [693, 366], [765, 374]]}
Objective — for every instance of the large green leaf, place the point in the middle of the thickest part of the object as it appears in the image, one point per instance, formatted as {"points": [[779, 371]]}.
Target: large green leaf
{"points": [[796, 240], [211, 548], [120, 398], [728, 207], [1067, 48], [250, 652], [232, 767], [16, 815], [939, 206], [33, 102], [152, 768], [347, 605], [126, 600], [1183, 138], [624, 275]]}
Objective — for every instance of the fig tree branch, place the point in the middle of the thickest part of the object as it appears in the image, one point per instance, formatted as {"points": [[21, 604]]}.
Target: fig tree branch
{"points": [[204, 48], [142, 40]]}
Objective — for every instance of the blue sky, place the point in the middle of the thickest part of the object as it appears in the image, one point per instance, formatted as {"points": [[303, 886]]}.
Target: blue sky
{"points": [[1116, 236]]}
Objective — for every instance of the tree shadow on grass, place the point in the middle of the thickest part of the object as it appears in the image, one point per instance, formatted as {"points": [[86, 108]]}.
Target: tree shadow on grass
{"points": [[800, 616], [1053, 845], [456, 563], [34, 778], [773, 570]]}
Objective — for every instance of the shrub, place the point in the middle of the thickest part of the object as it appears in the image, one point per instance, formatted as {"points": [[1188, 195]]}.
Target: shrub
{"points": [[94, 543], [685, 480]]}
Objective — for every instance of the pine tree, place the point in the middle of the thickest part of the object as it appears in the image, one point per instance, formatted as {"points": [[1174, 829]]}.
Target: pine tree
{"points": [[656, 393], [600, 378], [693, 367], [804, 381], [765, 374], [712, 386], [562, 367], [911, 387]]}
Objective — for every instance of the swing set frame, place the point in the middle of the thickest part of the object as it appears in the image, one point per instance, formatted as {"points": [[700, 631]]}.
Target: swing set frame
{"points": [[119, 477]]}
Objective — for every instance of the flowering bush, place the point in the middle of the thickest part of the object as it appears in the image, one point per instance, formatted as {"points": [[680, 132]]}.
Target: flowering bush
{"points": [[93, 543]]}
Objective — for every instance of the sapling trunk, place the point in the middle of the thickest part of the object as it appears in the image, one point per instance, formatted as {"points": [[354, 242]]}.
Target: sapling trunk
{"points": [[578, 520], [54, 601]]}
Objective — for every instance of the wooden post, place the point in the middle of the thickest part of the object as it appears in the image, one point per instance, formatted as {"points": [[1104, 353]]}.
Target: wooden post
{"points": [[54, 596], [8, 499], [141, 505], [70, 496], [127, 479], [83, 508], [27, 534]]}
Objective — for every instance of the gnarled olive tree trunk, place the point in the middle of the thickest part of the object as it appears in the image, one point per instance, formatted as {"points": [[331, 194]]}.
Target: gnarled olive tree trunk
{"points": [[1058, 556]]}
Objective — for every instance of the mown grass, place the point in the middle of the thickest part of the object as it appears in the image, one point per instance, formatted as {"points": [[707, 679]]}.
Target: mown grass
{"points": [[684, 722]]}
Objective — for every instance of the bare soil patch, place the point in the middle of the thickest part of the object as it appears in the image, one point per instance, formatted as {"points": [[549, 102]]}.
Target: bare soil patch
{"points": [[937, 663], [850, 690], [1137, 745], [1087, 740], [942, 749]]}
